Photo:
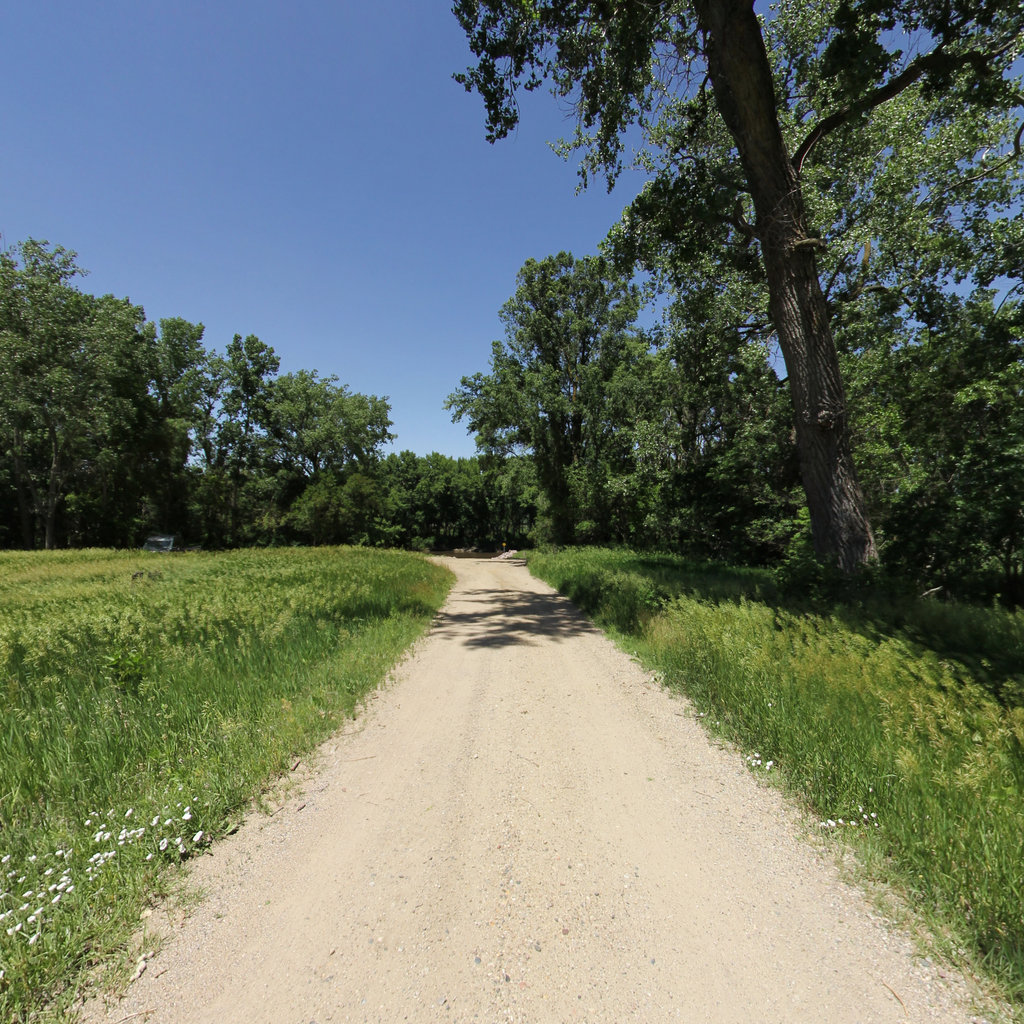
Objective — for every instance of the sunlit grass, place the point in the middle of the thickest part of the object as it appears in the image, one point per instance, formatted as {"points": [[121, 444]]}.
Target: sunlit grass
{"points": [[146, 699], [899, 723]]}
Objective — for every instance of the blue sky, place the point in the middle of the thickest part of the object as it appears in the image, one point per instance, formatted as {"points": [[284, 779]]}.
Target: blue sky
{"points": [[304, 171]]}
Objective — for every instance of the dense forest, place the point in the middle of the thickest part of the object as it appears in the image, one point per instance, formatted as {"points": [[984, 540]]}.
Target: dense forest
{"points": [[830, 372]]}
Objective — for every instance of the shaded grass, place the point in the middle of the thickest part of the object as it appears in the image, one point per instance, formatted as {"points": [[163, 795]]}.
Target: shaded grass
{"points": [[146, 700], [899, 722]]}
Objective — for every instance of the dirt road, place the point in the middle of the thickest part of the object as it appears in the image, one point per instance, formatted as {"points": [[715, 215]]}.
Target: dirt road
{"points": [[526, 828]]}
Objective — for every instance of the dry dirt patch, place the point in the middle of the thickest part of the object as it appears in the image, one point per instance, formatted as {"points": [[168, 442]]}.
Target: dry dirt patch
{"points": [[524, 827]]}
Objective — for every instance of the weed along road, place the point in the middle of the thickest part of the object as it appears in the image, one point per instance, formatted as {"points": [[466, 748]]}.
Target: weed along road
{"points": [[524, 827]]}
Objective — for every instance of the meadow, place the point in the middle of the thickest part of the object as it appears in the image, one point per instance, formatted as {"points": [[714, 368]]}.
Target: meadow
{"points": [[147, 700], [898, 722]]}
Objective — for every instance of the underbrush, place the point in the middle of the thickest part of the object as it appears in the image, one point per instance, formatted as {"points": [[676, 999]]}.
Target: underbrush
{"points": [[899, 722], [146, 700]]}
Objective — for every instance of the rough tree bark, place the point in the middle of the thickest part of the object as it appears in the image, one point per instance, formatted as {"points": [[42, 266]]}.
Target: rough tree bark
{"points": [[741, 78]]}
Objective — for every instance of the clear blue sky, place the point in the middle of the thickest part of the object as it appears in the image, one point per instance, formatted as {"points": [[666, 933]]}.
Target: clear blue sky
{"points": [[305, 171]]}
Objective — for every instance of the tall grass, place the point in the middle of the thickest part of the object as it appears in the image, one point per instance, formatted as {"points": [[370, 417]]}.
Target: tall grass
{"points": [[900, 723], [145, 699]]}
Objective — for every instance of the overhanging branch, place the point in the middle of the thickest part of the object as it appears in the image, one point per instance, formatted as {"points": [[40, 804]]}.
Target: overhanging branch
{"points": [[937, 60]]}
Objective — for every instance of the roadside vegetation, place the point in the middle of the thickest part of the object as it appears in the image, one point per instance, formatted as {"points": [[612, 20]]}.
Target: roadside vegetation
{"points": [[147, 701], [898, 721]]}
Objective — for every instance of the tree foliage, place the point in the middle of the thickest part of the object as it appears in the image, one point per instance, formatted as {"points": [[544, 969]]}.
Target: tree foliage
{"points": [[689, 72], [558, 386]]}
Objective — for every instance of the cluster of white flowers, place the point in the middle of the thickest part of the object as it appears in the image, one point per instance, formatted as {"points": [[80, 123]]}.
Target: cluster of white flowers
{"points": [[32, 893], [862, 819], [756, 761], [704, 714], [27, 909]]}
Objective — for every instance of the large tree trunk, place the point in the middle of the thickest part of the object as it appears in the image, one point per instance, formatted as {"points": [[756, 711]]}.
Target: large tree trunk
{"points": [[742, 82]]}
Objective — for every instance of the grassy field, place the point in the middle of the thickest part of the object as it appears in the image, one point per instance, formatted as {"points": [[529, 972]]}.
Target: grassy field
{"points": [[900, 723], [146, 700]]}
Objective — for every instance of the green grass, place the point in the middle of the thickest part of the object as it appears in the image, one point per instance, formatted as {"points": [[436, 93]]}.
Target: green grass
{"points": [[146, 700], [900, 723]]}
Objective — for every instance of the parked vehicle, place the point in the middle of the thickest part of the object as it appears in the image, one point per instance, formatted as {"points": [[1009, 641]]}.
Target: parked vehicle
{"points": [[159, 542]]}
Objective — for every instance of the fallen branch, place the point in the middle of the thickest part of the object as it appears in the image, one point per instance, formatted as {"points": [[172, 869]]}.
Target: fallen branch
{"points": [[897, 998]]}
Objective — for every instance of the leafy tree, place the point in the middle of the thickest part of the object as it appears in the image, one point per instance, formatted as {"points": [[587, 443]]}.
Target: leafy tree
{"points": [[178, 391], [569, 328], [943, 416], [243, 448], [730, 463], [76, 414], [319, 512], [317, 425], [630, 62], [108, 487], [46, 394], [510, 494]]}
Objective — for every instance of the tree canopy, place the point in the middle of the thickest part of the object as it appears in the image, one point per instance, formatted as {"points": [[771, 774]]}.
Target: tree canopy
{"points": [[693, 74]]}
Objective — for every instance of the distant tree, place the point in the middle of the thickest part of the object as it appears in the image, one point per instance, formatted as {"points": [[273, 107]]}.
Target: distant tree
{"points": [[76, 414], [318, 425], [568, 329], [510, 493], [319, 513], [178, 391], [243, 447]]}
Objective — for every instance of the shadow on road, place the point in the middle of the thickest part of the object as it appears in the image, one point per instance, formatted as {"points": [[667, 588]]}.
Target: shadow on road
{"points": [[502, 618]]}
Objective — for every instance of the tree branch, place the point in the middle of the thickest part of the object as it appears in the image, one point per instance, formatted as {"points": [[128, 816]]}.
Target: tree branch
{"points": [[937, 60], [988, 171]]}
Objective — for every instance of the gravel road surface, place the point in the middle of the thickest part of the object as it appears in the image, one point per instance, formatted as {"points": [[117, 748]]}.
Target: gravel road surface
{"points": [[524, 827]]}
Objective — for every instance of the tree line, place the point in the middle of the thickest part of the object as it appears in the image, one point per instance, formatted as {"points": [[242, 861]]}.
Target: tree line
{"points": [[114, 427], [831, 234]]}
